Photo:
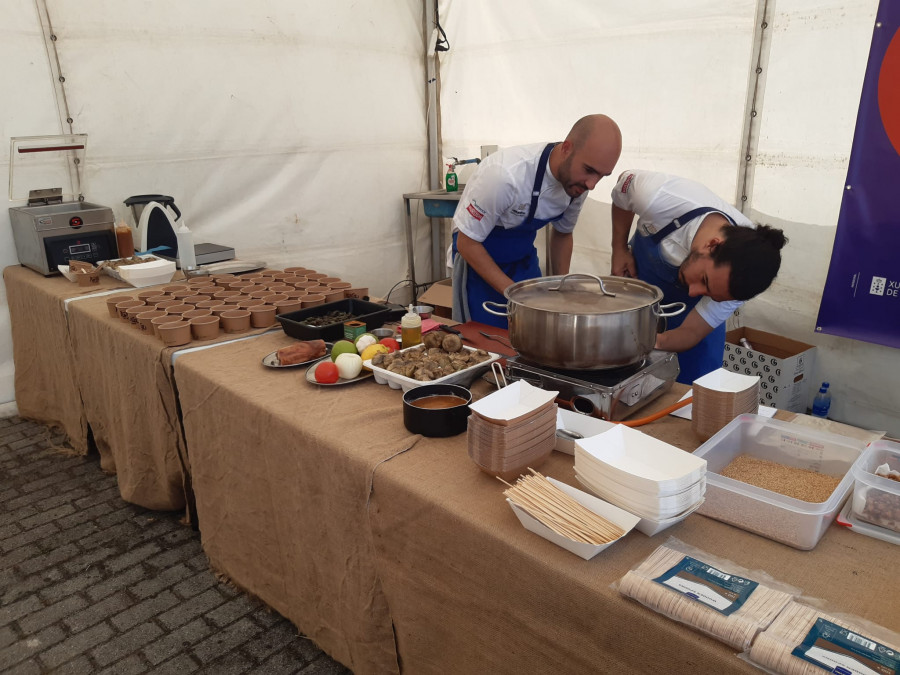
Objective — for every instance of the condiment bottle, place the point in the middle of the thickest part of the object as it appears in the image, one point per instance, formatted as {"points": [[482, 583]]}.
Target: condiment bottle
{"points": [[450, 181], [411, 329], [187, 257], [124, 240]]}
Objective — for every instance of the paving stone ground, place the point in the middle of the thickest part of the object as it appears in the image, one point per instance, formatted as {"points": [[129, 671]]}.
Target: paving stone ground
{"points": [[91, 584]]}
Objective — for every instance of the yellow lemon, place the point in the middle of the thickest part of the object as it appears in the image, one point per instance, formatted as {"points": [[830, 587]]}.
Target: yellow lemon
{"points": [[372, 350]]}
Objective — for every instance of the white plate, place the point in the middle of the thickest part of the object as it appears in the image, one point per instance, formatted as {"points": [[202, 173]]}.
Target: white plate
{"points": [[271, 360], [311, 376], [67, 273]]}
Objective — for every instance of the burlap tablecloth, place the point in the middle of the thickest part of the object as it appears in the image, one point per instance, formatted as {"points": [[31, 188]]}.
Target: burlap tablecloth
{"points": [[47, 390], [281, 471], [127, 386], [419, 559]]}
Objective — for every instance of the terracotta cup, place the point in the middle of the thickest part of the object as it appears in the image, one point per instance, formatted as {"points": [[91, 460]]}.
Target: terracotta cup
{"points": [[312, 300], [333, 295], [209, 304], [196, 314], [261, 293], [217, 311], [293, 295], [175, 333], [205, 327], [122, 307], [280, 288], [359, 293], [226, 295], [174, 289], [262, 316], [272, 298], [315, 276], [235, 320], [342, 285], [297, 270], [145, 318], [281, 276], [147, 295], [157, 321], [158, 298], [88, 278], [252, 288], [170, 302], [132, 314], [303, 285], [113, 300], [288, 306], [250, 302], [224, 279], [317, 289], [179, 309], [194, 299], [327, 281], [181, 295]]}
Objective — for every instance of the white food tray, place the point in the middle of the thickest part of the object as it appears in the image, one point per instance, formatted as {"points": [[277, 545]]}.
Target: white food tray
{"points": [[463, 377], [612, 513], [141, 275]]}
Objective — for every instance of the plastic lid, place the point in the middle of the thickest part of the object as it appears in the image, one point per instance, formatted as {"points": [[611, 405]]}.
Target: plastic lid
{"points": [[47, 162]]}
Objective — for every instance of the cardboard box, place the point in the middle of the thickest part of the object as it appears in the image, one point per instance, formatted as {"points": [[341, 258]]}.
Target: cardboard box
{"points": [[785, 367], [439, 296]]}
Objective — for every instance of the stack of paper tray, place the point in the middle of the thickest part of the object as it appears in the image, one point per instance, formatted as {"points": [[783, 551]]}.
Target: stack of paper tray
{"points": [[512, 429], [645, 476], [719, 397]]}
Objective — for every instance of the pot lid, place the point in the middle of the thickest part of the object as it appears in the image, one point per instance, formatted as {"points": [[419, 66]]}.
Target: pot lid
{"points": [[584, 294]]}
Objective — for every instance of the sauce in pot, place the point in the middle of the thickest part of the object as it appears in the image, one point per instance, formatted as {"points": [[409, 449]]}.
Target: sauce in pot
{"points": [[437, 402]]}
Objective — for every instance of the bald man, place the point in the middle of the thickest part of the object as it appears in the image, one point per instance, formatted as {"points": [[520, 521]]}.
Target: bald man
{"points": [[514, 193]]}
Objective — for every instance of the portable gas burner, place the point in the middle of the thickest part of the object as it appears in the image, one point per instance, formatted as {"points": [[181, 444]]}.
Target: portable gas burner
{"points": [[612, 394]]}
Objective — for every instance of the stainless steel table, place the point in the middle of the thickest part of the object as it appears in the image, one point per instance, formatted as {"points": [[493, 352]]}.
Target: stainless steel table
{"points": [[437, 204]]}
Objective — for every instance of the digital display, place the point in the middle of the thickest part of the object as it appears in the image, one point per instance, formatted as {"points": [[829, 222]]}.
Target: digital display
{"points": [[80, 248]]}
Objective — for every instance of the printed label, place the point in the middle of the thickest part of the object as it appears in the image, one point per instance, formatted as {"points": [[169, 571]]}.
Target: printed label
{"points": [[842, 651], [714, 588], [474, 211]]}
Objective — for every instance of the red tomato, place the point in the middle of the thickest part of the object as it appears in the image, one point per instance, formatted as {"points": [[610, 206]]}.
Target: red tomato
{"points": [[390, 343], [326, 372]]}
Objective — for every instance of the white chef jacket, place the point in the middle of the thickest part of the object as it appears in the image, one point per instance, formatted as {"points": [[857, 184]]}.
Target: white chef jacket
{"points": [[499, 194], [658, 199]]}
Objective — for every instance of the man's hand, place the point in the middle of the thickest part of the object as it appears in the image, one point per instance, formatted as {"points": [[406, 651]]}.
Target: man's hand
{"points": [[623, 264], [693, 329]]}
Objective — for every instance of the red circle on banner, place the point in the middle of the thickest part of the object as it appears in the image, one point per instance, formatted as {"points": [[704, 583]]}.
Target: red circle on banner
{"points": [[889, 91]]}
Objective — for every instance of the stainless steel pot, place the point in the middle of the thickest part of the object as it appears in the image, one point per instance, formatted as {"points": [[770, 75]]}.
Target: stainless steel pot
{"points": [[586, 324]]}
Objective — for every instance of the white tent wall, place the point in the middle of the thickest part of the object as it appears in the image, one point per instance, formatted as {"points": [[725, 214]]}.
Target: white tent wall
{"points": [[677, 77], [286, 129]]}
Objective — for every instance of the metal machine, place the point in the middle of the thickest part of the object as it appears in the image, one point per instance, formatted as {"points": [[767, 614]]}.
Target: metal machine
{"points": [[49, 231]]}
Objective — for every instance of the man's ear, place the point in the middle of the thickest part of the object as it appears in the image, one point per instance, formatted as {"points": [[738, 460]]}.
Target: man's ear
{"points": [[713, 243]]}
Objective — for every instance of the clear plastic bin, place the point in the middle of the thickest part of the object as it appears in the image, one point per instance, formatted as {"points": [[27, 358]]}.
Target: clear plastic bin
{"points": [[785, 519], [876, 500]]}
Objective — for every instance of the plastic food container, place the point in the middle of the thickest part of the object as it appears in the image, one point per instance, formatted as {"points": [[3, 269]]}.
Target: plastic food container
{"points": [[374, 315], [876, 500], [463, 377], [785, 519]]}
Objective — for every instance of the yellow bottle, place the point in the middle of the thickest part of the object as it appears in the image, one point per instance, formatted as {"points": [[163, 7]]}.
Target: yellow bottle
{"points": [[411, 329]]}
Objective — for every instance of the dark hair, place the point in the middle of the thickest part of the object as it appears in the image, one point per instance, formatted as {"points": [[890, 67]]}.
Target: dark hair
{"points": [[754, 256]]}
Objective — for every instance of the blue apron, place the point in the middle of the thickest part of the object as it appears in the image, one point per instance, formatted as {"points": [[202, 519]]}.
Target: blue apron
{"points": [[512, 250], [707, 355]]}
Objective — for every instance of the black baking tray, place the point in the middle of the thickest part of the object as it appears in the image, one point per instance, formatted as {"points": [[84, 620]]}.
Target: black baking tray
{"points": [[372, 313]]}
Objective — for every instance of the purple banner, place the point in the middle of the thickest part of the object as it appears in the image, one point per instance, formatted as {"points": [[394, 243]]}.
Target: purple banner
{"points": [[862, 293]]}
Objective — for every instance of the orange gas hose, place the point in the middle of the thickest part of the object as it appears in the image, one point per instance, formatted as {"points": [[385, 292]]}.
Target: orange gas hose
{"points": [[657, 415]]}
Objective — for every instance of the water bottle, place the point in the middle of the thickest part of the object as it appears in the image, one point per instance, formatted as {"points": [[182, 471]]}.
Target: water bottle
{"points": [[822, 402], [187, 259]]}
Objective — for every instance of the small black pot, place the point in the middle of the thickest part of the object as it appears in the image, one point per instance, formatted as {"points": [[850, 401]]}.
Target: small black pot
{"points": [[436, 422]]}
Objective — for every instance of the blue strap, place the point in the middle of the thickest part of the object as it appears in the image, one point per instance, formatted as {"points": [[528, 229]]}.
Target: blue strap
{"points": [[683, 220], [538, 181]]}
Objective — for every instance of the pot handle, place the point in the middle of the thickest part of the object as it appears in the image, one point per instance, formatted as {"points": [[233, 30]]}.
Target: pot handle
{"points": [[496, 304], [582, 274], [663, 314]]}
